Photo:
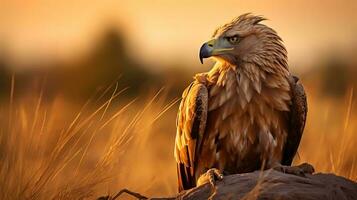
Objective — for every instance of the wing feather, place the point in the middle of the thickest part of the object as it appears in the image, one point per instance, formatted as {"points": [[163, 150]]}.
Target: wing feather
{"points": [[191, 123], [297, 116]]}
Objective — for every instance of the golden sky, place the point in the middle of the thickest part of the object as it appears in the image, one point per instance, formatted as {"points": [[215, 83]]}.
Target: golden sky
{"points": [[166, 30]]}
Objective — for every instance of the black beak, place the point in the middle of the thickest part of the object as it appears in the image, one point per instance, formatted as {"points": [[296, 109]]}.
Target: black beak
{"points": [[205, 51]]}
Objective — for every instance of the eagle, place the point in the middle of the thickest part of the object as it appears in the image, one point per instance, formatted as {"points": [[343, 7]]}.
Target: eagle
{"points": [[247, 113]]}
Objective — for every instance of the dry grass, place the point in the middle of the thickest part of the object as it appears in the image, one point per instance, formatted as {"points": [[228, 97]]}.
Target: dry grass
{"points": [[55, 150], [50, 151], [330, 139]]}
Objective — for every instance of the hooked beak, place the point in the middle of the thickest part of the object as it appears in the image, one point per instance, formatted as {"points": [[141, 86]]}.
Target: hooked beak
{"points": [[209, 49], [206, 50]]}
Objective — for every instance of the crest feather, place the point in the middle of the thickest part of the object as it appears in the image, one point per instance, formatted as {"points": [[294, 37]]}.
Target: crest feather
{"points": [[242, 20]]}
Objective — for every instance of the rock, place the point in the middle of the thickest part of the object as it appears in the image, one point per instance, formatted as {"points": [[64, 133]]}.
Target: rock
{"points": [[271, 184]]}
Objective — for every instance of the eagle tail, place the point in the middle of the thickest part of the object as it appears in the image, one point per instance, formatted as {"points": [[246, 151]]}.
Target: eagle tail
{"points": [[185, 178]]}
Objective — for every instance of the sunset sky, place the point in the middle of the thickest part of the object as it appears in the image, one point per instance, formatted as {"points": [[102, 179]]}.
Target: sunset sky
{"points": [[36, 30]]}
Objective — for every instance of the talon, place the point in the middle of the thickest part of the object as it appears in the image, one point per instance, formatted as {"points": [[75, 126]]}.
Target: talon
{"points": [[299, 170], [211, 176], [306, 168]]}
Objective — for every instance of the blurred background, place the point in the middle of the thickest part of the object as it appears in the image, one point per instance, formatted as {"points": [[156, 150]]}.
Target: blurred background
{"points": [[64, 63]]}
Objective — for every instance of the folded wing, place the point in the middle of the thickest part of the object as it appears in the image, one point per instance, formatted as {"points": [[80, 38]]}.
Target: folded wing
{"points": [[191, 123], [297, 119]]}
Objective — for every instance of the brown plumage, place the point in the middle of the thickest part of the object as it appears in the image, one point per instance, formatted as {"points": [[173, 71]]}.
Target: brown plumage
{"points": [[246, 111]]}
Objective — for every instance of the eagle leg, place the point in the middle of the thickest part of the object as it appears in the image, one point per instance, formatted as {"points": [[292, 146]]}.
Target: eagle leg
{"points": [[299, 170], [211, 176]]}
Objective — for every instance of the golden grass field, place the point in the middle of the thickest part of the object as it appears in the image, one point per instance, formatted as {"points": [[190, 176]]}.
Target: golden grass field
{"points": [[57, 150]]}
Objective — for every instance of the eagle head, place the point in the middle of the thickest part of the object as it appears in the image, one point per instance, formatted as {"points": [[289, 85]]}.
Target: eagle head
{"points": [[246, 40]]}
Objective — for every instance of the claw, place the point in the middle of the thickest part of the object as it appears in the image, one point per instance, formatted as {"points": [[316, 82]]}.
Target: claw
{"points": [[307, 168], [211, 176], [299, 170]]}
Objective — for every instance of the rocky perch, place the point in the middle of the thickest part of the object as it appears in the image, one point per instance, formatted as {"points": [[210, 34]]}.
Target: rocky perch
{"points": [[269, 184]]}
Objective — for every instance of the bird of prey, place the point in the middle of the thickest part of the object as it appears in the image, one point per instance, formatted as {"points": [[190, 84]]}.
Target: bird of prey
{"points": [[247, 113]]}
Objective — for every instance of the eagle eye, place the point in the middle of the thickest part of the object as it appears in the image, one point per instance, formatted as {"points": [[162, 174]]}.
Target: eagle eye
{"points": [[233, 39]]}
